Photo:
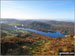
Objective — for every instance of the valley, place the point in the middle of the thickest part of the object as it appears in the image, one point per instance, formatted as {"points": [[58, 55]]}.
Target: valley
{"points": [[34, 41]]}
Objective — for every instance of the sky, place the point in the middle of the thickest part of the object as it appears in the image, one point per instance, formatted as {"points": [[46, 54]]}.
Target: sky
{"points": [[52, 10]]}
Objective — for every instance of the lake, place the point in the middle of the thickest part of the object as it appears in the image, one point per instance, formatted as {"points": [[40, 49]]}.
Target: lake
{"points": [[51, 34]]}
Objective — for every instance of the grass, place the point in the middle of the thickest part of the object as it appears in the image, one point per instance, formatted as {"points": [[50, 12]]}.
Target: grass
{"points": [[23, 31]]}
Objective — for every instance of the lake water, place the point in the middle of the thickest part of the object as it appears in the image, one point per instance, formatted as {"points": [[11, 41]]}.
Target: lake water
{"points": [[54, 34]]}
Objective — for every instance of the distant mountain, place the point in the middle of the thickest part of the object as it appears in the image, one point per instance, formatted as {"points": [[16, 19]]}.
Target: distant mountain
{"points": [[15, 21]]}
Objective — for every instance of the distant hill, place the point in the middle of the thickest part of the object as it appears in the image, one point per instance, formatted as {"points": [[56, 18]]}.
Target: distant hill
{"points": [[15, 21], [44, 25], [39, 24]]}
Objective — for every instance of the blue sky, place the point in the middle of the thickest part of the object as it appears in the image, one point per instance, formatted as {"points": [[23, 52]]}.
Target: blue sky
{"points": [[53, 10]]}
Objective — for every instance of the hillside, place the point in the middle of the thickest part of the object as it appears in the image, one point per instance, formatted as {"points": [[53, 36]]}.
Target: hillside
{"points": [[47, 25], [21, 42]]}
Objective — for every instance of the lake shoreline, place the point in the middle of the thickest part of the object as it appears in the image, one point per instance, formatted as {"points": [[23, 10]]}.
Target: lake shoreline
{"points": [[50, 34]]}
